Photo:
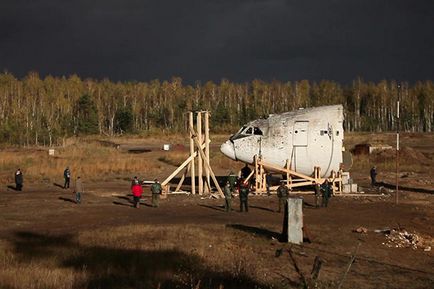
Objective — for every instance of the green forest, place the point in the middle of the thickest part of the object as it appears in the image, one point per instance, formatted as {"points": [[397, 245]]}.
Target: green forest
{"points": [[44, 111]]}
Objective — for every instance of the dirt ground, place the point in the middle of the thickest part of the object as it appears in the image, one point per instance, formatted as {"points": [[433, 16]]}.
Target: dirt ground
{"points": [[46, 208]]}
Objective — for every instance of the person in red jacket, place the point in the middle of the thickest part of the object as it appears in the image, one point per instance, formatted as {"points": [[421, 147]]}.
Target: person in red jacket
{"points": [[137, 191]]}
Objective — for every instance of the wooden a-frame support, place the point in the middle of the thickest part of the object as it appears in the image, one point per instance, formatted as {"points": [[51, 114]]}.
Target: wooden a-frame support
{"points": [[199, 152], [293, 179]]}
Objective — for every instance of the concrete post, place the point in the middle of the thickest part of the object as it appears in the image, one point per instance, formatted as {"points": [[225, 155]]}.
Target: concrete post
{"points": [[293, 221]]}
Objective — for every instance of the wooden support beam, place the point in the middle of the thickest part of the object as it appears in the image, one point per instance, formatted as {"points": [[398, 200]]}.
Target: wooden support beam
{"points": [[192, 171], [185, 163], [288, 171], [199, 157], [207, 141], [249, 176], [181, 181], [207, 163]]}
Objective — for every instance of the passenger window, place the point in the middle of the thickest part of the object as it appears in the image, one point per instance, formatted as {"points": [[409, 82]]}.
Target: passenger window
{"points": [[257, 131]]}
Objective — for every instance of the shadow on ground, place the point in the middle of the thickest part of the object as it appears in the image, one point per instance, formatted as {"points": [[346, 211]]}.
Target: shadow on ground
{"points": [[58, 185], [67, 200], [126, 268], [256, 231], [217, 208], [410, 189]]}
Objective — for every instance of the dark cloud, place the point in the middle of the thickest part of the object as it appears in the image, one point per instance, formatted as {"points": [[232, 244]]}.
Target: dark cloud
{"points": [[209, 40]]}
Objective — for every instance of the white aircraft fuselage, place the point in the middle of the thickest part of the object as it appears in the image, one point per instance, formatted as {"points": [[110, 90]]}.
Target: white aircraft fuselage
{"points": [[306, 138]]}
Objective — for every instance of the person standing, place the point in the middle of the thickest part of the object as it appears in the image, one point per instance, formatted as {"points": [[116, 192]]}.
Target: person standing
{"points": [[134, 181], [228, 196], [373, 174], [137, 192], [19, 180], [268, 183], [326, 193], [156, 192], [67, 177], [244, 195], [282, 193], [245, 172], [78, 190], [232, 178], [317, 193]]}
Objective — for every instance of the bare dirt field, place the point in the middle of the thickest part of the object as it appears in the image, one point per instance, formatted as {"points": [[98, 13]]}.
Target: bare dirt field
{"points": [[48, 241]]}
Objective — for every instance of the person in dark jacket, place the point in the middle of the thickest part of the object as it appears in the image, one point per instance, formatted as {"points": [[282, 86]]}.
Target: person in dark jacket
{"points": [[78, 190], [137, 192], [326, 193], [244, 195], [156, 190], [268, 183], [245, 172], [373, 174], [67, 177], [19, 180], [282, 193]]}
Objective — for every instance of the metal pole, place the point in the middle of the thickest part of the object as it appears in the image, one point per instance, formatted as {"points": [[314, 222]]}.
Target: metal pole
{"points": [[397, 147]]}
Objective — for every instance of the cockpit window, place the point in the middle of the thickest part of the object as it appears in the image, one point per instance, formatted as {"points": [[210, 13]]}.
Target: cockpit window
{"points": [[242, 129], [248, 131], [257, 131]]}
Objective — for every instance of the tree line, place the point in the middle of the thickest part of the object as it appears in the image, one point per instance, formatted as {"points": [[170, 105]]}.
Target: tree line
{"points": [[35, 110]]}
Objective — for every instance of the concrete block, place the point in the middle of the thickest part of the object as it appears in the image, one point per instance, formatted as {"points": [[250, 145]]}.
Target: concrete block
{"points": [[349, 188], [345, 177], [346, 188], [293, 221]]}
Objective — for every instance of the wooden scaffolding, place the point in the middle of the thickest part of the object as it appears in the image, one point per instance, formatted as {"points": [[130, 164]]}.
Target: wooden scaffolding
{"points": [[199, 155], [293, 179]]}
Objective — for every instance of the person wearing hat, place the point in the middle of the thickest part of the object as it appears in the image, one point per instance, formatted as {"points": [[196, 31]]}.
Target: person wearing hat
{"points": [[282, 194], [228, 196], [156, 192], [134, 181], [137, 192]]}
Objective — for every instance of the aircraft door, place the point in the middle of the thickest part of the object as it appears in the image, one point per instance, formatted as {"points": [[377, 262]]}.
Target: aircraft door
{"points": [[300, 133], [300, 158]]}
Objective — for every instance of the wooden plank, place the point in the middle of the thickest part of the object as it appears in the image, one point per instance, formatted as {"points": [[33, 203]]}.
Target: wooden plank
{"points": [[199, 156], [192, 152], [207, 142], [185, 163], [207, 163], [181, 181], [284, 170]]}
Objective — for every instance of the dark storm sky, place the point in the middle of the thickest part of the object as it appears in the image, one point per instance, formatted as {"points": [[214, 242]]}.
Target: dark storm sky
{"points": [[212, 39]]}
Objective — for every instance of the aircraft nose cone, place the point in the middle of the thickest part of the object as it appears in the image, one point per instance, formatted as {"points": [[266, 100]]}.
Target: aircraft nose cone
{"points": [[228, 150]]}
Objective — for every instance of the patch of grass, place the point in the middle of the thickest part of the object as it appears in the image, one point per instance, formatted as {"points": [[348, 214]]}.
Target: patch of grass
{"points": [[130, 257]]}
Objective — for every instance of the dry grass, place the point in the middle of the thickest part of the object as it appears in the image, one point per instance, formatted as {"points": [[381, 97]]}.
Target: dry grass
{"points": [[131, 257], [90, 159]]}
